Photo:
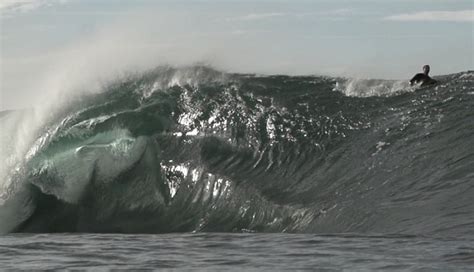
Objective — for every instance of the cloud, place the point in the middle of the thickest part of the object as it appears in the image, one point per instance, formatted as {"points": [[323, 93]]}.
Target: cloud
{"points": [[256, 16], [446, 16], [26, 5], [334, 14]]}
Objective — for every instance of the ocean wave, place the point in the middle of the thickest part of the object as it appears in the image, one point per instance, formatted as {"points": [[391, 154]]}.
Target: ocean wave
{"points": [[195, 149]]}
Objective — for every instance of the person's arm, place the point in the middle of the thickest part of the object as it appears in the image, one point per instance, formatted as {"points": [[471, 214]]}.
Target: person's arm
{"points": [[416, 79]]}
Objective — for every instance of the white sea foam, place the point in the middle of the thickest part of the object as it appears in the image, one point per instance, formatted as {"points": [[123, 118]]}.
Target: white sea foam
{"points": [[372, 87]]}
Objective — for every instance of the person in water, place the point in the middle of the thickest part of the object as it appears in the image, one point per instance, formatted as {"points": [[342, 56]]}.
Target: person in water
{"points": [[423, 78]]}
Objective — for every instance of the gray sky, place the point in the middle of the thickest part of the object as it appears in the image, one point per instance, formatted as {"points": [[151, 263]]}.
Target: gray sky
{"points": [[66, 44]]}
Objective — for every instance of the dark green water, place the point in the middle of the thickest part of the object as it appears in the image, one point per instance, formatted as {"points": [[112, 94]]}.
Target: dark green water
{"points": [[288, 159]]}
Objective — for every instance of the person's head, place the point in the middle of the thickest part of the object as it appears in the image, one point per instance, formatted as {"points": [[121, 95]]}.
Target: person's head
{"points": [[426, 69]]}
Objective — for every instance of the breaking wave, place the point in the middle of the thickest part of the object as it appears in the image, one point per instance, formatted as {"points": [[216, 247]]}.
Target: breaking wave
{"points": [[195, 149]]}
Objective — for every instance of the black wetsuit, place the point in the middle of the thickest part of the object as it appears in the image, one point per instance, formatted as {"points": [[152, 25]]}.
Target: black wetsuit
{"points": [[424, 79]]}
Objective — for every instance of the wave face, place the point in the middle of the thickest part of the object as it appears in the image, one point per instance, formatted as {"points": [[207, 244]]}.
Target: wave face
{"points": [[195, 149]]}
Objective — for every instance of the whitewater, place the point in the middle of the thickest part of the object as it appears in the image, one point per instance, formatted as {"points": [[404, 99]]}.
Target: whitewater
{"points": [[365, 174]]}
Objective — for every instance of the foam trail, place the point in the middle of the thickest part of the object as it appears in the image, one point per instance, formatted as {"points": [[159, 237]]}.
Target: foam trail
{"points": [[372, 87]]}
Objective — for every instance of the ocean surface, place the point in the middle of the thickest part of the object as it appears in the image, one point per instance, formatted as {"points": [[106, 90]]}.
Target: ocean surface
{"points": [[234, 252], [193, 168]]}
